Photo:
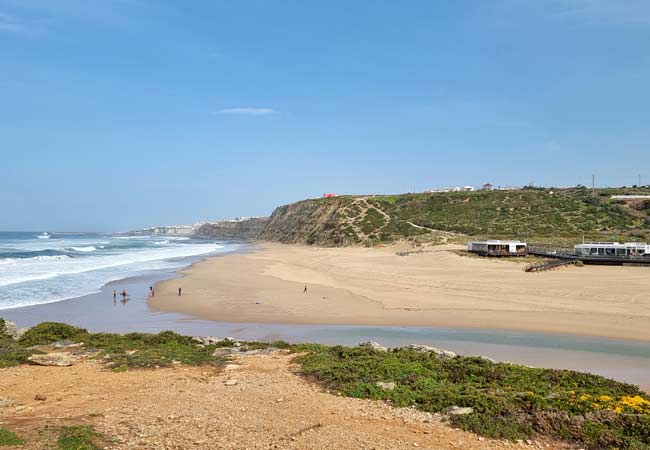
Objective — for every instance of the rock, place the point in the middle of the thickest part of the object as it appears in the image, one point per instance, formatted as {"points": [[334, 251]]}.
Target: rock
{"points": [[52, 359], [385, 386], [40, 398], [488, 359], [376, 346], [10, 328], [207, 340], [20, 332], [87, 353], [223, 351], [460, 410], [259, 351], [427, 349], [231, 382], [66, 344]]}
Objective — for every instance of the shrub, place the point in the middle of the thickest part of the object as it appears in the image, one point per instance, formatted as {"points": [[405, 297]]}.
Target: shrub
{"points": [[9, 438], [509, 401], [80, 437], [49, 332]]}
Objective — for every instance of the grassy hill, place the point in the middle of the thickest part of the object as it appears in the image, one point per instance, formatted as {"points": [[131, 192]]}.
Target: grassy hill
{"points": [[537, 215]]}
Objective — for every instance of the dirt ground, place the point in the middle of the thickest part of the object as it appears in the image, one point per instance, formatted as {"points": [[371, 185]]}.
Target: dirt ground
{"points": [[269, 406]]}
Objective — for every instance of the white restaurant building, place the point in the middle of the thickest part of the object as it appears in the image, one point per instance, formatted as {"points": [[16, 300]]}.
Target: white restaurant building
{"points": [[612, 249]]}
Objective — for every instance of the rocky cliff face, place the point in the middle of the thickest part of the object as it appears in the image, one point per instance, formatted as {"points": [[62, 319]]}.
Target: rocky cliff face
{"points": [[232, 229], [321, 222]]}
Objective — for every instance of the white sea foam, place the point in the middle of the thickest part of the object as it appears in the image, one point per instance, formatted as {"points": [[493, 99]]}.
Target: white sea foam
{"points": [[35, 258], [50, 278], [89, 248]]}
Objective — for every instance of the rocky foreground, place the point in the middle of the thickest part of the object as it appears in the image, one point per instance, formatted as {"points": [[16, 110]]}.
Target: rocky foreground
{"points": [[254, 402], [65, 388]]}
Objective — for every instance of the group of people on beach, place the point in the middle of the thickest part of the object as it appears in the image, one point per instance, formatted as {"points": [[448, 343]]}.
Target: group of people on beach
{"points": [[125, 296]]}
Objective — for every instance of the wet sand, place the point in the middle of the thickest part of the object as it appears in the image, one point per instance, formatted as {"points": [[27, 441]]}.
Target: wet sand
{"points": [[436, 288]]}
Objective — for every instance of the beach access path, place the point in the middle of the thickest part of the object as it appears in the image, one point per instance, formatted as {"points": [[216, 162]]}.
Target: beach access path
{"points": [[434, 287]]}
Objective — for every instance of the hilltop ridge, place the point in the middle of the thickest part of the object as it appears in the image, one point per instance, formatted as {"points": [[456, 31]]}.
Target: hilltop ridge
{"points": [[530, 213]]}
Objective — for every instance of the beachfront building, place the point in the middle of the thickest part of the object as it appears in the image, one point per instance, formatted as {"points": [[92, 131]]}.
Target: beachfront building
{"points": [[612, 249], [488, 187], [498, 248]]}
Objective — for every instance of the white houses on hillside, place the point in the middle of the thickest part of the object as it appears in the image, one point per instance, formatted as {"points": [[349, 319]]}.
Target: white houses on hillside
{"points": [[498, 248]]}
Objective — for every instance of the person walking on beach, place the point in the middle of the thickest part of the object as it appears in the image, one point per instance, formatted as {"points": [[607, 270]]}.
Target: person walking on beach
{"points": [[123, 293], [114, 295], [305, 290], [179, 292], [151, 290]]}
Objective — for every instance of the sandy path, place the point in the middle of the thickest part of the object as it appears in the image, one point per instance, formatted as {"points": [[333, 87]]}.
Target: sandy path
{"points": [[184, 407], [359, 286]]}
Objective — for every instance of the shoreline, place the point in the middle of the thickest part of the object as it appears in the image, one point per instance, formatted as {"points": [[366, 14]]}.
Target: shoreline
{"points": [[436, 288], [620, 359]]}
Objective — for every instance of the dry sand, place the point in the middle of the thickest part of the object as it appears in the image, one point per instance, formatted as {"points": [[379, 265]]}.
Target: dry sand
{"points": [[193, 408], [359, 286]]}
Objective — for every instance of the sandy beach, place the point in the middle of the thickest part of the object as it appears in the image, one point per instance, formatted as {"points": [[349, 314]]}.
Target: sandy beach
{"points": [[437, 288]]}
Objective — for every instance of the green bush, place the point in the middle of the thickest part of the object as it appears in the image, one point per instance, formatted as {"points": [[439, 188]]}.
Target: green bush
{"points": [[9, 438], [80, 437], [509, 401], [49, 332]]}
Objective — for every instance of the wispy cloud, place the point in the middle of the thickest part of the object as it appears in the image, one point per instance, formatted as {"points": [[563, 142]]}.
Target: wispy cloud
{"points": [[610, 12], [618, 11], [11, 24], [247, 111]]}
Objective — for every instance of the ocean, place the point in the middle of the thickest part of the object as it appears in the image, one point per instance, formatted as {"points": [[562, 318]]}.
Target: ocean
{"points": [[38, 267]]}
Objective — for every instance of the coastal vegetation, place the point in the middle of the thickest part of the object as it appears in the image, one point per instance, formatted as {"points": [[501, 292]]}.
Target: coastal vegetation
{"points": [[496, 400], [116, 351], [9, 438], [551, 216], [11, 352], [78, 437], [506, 401]]}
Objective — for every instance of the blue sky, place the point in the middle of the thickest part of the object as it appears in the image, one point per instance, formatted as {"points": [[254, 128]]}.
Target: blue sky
{"points": [[117, 114]]}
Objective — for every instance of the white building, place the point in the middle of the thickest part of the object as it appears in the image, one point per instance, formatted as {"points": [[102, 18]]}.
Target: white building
{"points": [[612, 249], [498, 248]]}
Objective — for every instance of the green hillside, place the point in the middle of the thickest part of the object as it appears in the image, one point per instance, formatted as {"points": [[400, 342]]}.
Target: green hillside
{"points": [[544, 215]]}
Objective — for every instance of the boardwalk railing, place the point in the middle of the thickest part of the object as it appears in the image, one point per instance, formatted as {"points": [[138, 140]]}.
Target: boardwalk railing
{"points": [[547, 265]]}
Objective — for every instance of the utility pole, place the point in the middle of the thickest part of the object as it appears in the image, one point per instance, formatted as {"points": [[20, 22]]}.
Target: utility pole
{"points": [[593, 185], [639, 180]]}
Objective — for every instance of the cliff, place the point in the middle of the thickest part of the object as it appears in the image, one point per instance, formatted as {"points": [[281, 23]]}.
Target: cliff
{"points": [[232, 229], [563, 215], [320, 222]]}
